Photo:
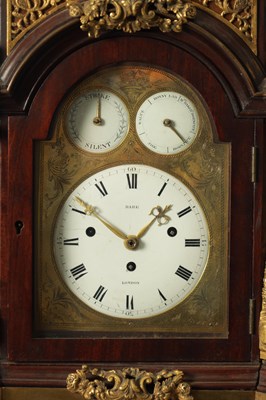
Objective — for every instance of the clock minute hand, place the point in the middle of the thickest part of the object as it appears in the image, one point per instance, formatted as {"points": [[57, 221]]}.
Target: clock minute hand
{"points": [[90, 210], [159, 215]]}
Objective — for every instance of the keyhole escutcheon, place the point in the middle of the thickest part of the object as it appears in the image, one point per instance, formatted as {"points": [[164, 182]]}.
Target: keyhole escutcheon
{"points": [[19, 226]]}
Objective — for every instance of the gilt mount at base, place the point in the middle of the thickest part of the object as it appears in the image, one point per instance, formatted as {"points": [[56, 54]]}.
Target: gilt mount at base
{"points": [[98, 16], [128, 383]]}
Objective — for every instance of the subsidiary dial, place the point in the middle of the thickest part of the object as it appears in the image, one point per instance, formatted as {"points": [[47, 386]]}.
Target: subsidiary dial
{"points": [[97, 121], [167, 122]]}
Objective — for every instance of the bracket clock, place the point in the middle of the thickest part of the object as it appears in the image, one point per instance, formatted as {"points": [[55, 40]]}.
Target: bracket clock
{"points": [[132, 202]]}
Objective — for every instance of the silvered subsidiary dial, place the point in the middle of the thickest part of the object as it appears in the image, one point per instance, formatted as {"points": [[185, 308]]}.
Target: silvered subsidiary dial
{"points": [[97, 121], [167, 122], [131, 241]]}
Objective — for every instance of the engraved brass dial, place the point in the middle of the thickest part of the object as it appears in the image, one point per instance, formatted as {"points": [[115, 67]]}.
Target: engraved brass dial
{"points": [[108, 224]]}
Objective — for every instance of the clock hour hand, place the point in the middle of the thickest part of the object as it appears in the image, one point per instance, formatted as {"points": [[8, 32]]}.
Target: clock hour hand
{"points": [[170, 124], [90, 210], [159, 215], [132, 241]]}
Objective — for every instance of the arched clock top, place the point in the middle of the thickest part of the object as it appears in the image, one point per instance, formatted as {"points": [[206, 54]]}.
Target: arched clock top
{"points": [[58, 39], [240, 17]]}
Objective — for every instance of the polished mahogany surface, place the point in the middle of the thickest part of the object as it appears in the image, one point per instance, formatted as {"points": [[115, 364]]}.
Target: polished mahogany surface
{"points": [[227, 76]]}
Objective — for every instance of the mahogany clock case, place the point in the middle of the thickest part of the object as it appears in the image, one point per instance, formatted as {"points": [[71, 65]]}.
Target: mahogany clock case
{"points": [[224, 85]]}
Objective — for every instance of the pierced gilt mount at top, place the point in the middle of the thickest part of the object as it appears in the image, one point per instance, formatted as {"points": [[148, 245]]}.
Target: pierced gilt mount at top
{"points": [[128, 383], [98, 16]]}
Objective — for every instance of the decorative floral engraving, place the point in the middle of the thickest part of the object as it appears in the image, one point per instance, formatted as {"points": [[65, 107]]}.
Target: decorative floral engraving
{"points": [[128, 383], [205, 170], [56, 303], [60, 171], [123, 121], [202, 309]]}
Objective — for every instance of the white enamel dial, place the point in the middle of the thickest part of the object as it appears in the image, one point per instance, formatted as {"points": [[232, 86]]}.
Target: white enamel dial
{"points": [[131, 241], [97, 121], [167, 122]]}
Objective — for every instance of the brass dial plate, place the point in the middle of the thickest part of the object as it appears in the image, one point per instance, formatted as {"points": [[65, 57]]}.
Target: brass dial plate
{"points": [[203, 166]]}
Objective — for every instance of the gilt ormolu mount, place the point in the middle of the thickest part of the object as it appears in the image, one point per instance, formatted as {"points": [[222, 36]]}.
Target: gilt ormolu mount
{"points": [[129, 383], [131, 16]]}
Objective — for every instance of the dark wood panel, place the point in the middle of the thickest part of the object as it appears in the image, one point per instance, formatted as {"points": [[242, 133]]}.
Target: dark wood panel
{"points": [[63, 394], [200, 375]]}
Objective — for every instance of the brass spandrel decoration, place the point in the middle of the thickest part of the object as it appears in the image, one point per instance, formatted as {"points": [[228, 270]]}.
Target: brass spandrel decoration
{"points": [[240, 15], [128, 383], [262, 324], [22, 16], [98, 16]]}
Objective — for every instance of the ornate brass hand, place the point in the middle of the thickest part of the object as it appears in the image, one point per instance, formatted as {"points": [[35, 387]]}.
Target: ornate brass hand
{"points": [[159, 215], [131, 242], [170, 124], [90, 210]]}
